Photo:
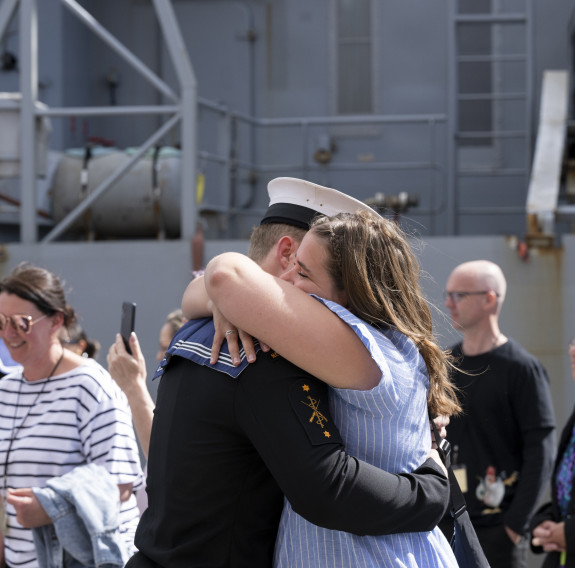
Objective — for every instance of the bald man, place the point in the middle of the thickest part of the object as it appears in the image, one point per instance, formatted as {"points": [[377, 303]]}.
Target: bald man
{"points": [[504, 440]]}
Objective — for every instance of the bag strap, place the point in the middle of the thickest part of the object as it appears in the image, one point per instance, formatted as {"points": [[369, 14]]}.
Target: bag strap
{"points": [[456, 498]]}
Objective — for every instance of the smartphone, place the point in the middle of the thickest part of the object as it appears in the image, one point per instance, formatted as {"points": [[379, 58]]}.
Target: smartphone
{"points": [[127, 324]]}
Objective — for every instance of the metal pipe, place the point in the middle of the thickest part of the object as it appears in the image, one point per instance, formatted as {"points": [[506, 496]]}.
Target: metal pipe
{"points": [[530, 75], [490, 18], [452, 123], [353, 166], [468, 134], [493, 96], [29, 90], [518, 57], [117, 46], [489, 172], [371, 119], [109, 181], [107, 111], [360, 119], [188, 130], [492, 211]]}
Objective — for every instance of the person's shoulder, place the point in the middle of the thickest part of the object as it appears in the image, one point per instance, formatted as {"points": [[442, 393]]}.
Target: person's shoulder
{"points": [[271, 365], [518, 356], [90, 377], [11, 379], [336, 308], [272, 375], [515, 351], [87, 368], [362, 328]]}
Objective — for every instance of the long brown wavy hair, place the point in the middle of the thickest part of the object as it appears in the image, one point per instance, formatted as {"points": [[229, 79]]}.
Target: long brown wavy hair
{"points": [[371, 259]]}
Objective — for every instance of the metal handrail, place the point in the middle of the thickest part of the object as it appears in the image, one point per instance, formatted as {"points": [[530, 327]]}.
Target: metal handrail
{"points": [[438, 185]]}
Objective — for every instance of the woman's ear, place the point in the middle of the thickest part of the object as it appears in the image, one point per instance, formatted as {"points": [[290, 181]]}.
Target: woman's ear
{"points": [[58, 320]]}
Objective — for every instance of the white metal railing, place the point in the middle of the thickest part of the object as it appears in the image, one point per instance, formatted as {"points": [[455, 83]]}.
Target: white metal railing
{"points": [[182, 110]]}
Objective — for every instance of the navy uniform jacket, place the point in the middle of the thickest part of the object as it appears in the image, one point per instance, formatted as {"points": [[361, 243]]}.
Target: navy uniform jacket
{"points": [[223, 452]]}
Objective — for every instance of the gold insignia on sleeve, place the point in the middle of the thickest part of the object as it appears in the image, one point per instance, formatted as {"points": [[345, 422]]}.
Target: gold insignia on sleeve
{"points": [[313, 403], [305, 388], [327, 434]]}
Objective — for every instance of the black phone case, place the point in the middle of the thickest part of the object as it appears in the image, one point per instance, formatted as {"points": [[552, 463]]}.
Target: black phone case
{"points": [[127, 323]]}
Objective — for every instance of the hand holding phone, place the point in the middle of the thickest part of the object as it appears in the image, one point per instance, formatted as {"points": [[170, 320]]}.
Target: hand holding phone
{"points": [[127, 323]]}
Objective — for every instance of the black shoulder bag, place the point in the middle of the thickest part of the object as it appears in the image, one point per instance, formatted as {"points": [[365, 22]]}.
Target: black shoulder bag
{"points": [[464, 542]]}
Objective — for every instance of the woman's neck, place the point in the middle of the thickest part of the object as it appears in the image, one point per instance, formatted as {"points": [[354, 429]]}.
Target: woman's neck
{"points": [[47, 367]]}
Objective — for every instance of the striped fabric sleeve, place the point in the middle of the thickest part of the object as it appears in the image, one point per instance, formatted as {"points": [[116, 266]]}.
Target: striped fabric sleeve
{"points": [[106, 431]]}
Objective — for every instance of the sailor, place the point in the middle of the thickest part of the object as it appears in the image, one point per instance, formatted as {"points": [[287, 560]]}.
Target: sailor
{"points": [[228, 442]]}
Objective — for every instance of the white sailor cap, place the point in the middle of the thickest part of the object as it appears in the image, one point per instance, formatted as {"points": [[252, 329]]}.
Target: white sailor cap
{"points": [[296, 202]]}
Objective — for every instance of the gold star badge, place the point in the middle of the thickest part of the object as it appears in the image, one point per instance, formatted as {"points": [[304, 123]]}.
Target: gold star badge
{"points": [[327, 434], [305, 388]]}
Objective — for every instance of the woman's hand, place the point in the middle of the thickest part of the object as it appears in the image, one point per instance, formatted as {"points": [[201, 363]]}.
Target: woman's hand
{"points": [[225, 331], [514, 537], [126, 490], [129, 371], [441, 423], [29, 513], [550, 535]]}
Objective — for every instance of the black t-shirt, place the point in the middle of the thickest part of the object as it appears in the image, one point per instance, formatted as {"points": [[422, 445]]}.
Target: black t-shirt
{"points": [[504, 436]]}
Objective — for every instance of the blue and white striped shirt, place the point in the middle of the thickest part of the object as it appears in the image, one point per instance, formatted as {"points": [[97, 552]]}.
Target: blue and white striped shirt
{"points": [[49, 427], [388, 427]]}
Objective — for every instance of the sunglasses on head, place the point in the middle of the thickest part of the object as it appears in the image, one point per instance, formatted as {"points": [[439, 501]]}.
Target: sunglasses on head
{"points": [[19, 322]]}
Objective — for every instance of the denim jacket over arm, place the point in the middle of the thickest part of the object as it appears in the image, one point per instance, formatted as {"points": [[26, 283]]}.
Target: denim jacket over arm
{"points": [[84, 506]]}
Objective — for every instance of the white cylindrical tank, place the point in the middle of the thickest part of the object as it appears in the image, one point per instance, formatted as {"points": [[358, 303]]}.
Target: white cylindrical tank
{"points": [[144, 203]]}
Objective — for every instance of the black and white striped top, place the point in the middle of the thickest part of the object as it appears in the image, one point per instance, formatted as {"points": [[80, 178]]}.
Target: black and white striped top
{"points": [[48, 427]]}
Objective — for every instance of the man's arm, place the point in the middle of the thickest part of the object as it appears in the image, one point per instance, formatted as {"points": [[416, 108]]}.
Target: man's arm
{"points": [[538, 454], [286, 416], [534, 413]]}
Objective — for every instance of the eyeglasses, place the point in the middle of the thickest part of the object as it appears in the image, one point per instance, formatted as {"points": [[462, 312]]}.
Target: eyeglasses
{"points": [[456, 297], [19, 322]]}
